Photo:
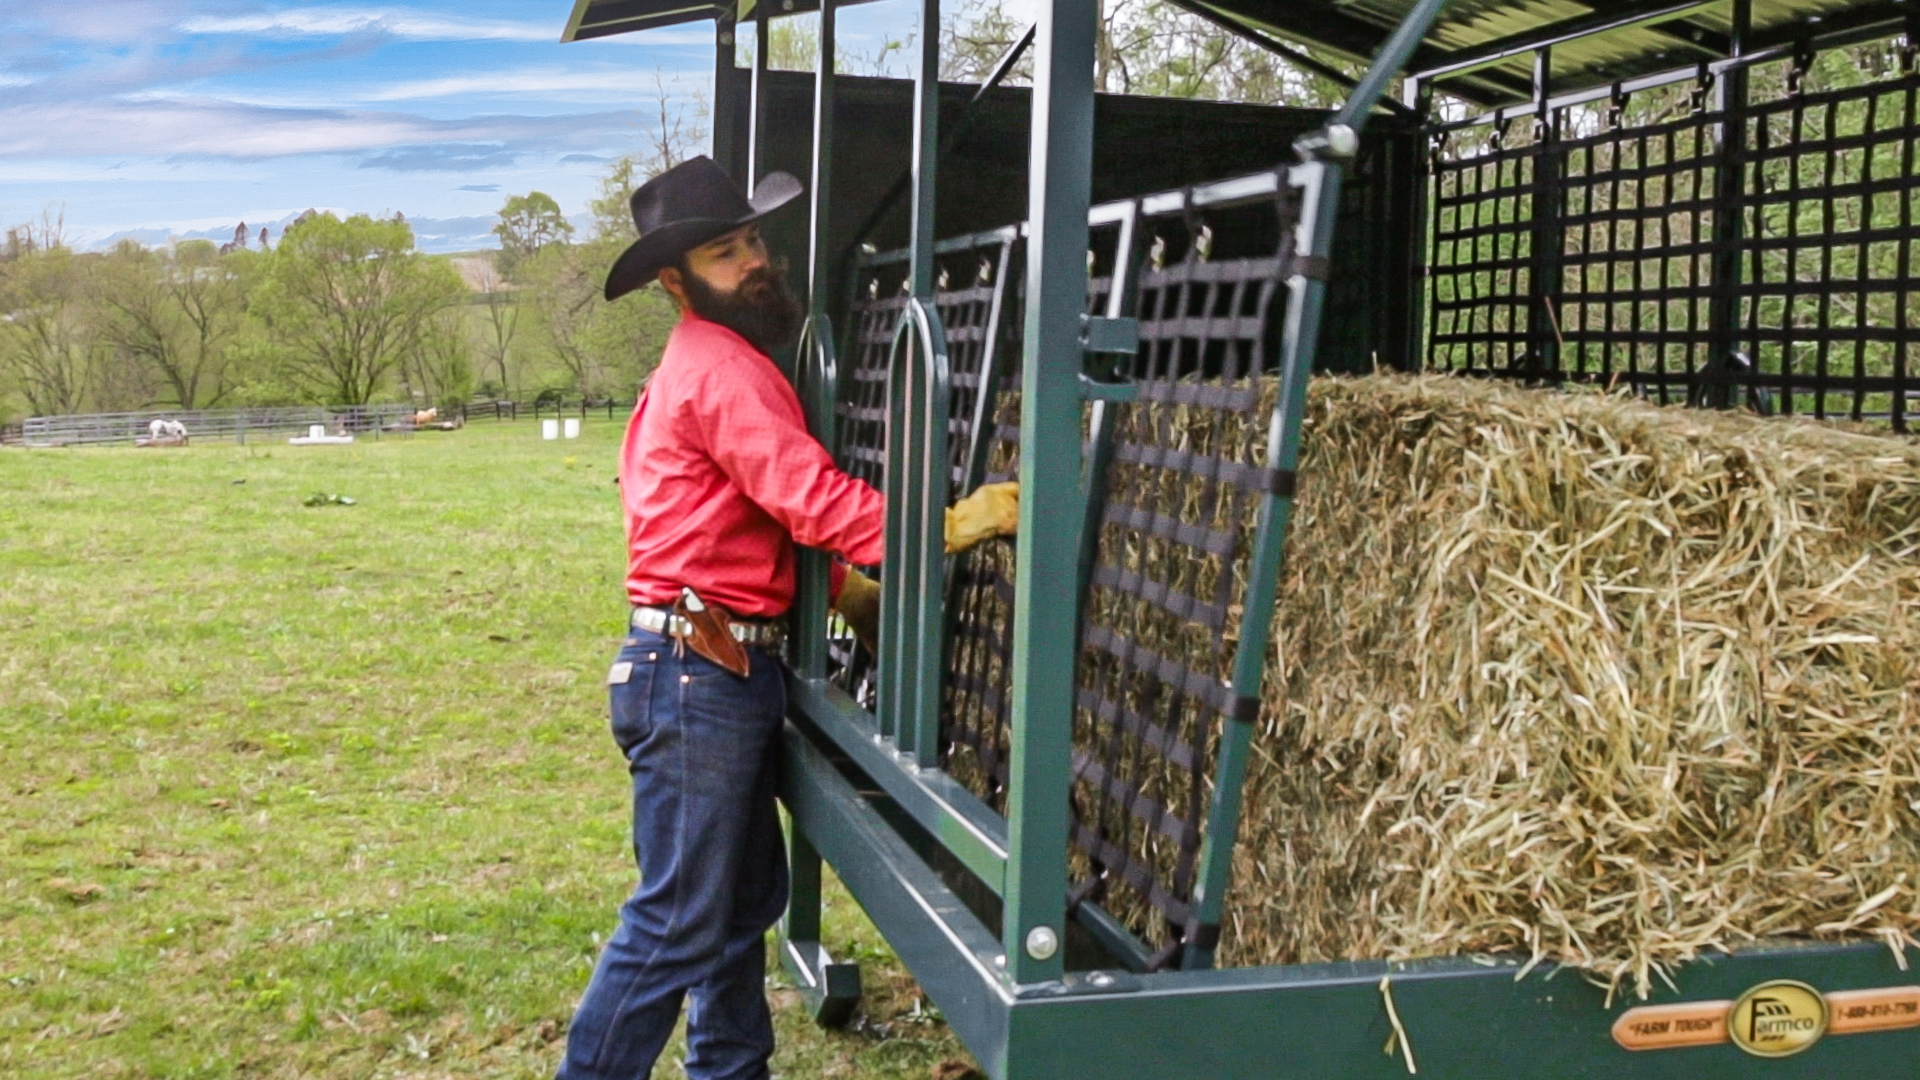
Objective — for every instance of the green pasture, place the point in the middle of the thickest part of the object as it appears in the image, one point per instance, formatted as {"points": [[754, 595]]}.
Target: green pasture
{"points": [[326, 791]]}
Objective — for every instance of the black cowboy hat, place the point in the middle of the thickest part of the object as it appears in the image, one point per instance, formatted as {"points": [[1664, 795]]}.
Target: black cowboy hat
{"points": [[684, 207]]}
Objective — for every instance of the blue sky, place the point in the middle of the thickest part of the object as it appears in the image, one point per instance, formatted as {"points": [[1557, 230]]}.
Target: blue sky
{"points": [[177, 117]]}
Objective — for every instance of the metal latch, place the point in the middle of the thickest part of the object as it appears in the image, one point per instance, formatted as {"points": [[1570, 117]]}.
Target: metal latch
{"points": [[1099, 334], [1109, 345]]}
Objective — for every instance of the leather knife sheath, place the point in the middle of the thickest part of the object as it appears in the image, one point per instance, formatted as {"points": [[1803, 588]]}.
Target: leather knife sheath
{"points": [[712, 634]]}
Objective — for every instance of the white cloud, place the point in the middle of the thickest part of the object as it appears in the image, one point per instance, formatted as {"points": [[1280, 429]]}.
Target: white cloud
{"points": [[69, 173], [609, 85], [14, 80], [397, 22], [177, 128], [623, 81]]}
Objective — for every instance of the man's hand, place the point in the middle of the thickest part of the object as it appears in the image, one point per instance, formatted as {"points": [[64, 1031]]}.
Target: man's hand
{"points": [[859, 604], [992, 510]]}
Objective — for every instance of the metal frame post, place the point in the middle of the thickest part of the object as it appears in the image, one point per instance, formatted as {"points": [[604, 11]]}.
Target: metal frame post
{"points": [[926, 151], [831, 990], [726, 101], [916, 450], [814, 357], [1418, 95], [913, 587], [757, 115], [1547, 238], [1729, 184], [1059, 194]]}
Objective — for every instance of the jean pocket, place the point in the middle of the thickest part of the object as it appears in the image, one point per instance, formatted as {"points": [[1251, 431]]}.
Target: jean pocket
{"points": [[630, 696]]}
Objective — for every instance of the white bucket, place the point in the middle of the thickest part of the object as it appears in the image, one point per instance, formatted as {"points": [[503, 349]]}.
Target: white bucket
{"points": [[315, 431], [573, 427], [549, 429]]}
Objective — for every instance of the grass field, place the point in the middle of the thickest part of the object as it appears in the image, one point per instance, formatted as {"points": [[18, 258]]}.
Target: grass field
{"points": [[296, 791]]}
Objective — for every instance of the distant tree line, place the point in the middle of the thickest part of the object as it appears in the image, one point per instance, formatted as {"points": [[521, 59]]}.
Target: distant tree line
{"points": [[338, 311], [349, 311], [342, 312]]}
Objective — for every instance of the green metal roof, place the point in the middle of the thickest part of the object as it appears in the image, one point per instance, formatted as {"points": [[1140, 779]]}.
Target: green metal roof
{"points": [[1668, 33], [1657, 35], [603, 18]]}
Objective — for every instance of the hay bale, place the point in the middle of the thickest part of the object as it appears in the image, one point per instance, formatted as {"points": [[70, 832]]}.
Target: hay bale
{"points": [[1575, 676]]}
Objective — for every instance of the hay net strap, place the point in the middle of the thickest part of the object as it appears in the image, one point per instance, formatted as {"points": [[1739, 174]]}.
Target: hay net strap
{"points": [[1157, 637], [1636, 246], [971, 282], [976, 717]]}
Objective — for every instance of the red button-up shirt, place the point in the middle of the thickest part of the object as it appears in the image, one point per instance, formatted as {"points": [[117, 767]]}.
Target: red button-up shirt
{"points": [[720, 477]]}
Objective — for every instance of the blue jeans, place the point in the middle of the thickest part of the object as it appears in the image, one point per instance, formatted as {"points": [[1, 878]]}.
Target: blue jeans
{"points": [[699, 742]]}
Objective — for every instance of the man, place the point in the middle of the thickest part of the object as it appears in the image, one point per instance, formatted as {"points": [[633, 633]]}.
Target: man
{"points": [[719, 478]]}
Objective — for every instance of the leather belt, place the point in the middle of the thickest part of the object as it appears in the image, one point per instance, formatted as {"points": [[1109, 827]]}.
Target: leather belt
{"points": [[655, 620]]}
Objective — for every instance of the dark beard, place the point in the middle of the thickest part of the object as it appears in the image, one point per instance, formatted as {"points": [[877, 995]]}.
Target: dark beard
{"points": [[762, 310]]}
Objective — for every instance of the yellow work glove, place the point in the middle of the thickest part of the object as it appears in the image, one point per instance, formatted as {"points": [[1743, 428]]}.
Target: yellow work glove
{"points": [[992, 510], [859, 604]]}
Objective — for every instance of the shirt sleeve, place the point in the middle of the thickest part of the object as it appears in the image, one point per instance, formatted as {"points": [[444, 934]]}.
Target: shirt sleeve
{"points": [[751, 426]]}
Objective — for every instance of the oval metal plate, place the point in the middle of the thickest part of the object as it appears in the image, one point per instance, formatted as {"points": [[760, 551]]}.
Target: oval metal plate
{"points": [[1778, 1019]]}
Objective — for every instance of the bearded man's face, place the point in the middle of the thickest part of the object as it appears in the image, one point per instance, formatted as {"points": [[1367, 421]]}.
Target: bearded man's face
{"points": [[760, 308], [732, 281]]}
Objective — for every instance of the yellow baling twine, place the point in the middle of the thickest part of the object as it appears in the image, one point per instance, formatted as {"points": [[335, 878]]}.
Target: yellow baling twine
{"points": [[1399, 1036]]}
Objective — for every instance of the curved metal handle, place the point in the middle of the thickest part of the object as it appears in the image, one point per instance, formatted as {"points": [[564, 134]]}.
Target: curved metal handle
{"points": [[819, 370], [913, 589], [818, 376]]}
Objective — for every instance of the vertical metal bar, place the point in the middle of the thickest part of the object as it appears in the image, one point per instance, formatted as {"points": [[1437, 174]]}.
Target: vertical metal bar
{"points": [[991, 364], [1904, 339], [1319, 209], [726, 96], [819, 249], [898, 574], [933, 474], [1058, 195], [802, 922], [1547, 238], [920, 604], [1729, 185], [1100, 424], [1419, 97], [926, 150], [757, 114], [816, 359]]}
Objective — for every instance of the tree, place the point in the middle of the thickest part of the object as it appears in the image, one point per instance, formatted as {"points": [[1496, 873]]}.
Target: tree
{"points": [[528, 223], [677, 135], [1146, 47], [608, 348], [603, 348], [46, 343], [793, 44], [500, 324], [439, 370], [346, 302], [564, 294], [174, 316]]}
